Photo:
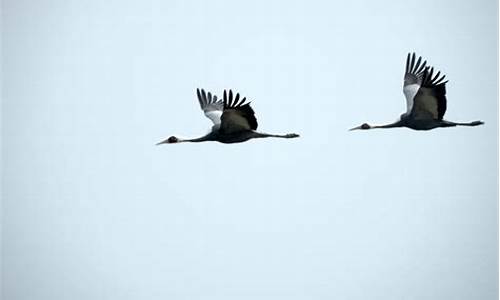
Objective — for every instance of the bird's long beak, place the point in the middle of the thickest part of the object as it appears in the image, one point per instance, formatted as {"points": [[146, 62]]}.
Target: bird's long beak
{"points": [[163, 142], [355, 128]]}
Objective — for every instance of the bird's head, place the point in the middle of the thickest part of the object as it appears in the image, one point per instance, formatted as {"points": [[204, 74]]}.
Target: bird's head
{"points": [[362, 126], [170, 140]]}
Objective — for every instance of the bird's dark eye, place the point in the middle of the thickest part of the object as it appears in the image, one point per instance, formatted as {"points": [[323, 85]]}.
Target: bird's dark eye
{"points": [[172, 139]]}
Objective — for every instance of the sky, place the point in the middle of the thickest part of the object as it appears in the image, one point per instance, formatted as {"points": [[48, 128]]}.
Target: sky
{"points": [[92, 209]]}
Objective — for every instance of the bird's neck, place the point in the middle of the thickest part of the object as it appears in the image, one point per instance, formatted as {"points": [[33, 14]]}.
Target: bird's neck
{"points": [[398, 123], [208, 137]]}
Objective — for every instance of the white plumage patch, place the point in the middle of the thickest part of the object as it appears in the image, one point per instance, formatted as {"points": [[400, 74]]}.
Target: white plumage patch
{"points": [[410, 91], [214, 116]]}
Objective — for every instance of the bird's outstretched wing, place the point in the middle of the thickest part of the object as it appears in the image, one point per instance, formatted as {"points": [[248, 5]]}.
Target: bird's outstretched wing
{"points": [[237, 115], [413, 79], [430, 100], [210, 106]]}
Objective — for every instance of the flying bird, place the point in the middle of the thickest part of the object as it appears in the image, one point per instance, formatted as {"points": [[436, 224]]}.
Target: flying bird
{"points": [[425, 94], [234, 120]]}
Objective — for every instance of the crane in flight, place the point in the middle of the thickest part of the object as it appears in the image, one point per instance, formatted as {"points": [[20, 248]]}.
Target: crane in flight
{"points": [[425, 94], [234, 120]]}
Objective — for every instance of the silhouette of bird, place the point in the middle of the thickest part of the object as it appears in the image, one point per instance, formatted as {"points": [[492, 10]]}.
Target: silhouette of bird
{"points": [[425, 99], [234, 120]]}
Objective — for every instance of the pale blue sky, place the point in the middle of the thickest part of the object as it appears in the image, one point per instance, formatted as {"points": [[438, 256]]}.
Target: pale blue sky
{"points": [[93, 210]]}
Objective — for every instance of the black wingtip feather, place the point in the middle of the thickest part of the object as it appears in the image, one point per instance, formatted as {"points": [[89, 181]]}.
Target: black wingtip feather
{"points": [[204, 95], [422, 67], [417, 65], [407, 63], [236, 99], [199, 97], [230, 102], [412, 63], [414, 66]]}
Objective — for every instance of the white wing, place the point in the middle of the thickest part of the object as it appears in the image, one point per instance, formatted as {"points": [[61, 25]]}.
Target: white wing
{"points": [[214, 115], [410, 91], [413, 79], [210, 105]]}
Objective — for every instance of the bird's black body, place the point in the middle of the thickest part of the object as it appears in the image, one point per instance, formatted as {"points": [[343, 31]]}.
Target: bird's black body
{"points": [[238, 137], [234, 120], [425, 98], [422, 124], [417, 124]]}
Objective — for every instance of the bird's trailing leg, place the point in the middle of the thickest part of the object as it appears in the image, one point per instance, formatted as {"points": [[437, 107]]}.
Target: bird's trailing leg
{"points": [[284, 136], [451, 124]]}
